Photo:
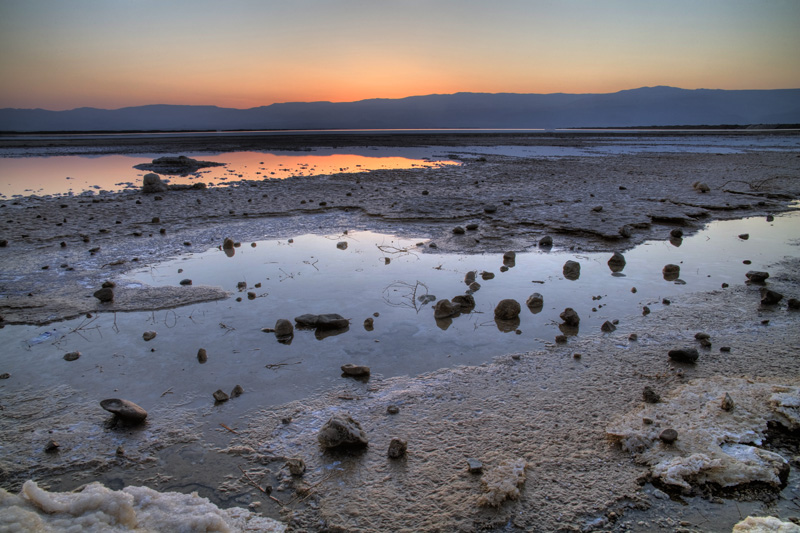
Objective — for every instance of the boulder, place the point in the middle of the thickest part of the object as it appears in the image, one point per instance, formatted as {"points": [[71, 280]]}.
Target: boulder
{"points": [[124, 409], [507, 309], [341, 431]]}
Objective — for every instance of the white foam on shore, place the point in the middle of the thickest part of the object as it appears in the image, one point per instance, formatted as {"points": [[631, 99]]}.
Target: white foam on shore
{"points": [[141, 509]]}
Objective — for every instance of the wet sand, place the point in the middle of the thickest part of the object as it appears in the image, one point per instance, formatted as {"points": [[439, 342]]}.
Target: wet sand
{"points": [[549, 408]]}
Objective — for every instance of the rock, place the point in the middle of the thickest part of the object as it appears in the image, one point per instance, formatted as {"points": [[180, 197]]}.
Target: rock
{"points": [[633, 337], [444, 309], [645, 310], [474, 466], [561, 339], [793, 303], [5, 375], [769, 297], [487, 275], [355, 370], [546, 241], [489, 209], [72, 356], [283, 328], [152, 183], [237, 391], [684, 355], [228, 244], [332, 321], [51, 446], [202, 356], [186, 282], [341, 430], [727, 403], [124, 409], [392, 409], [296, 466], [509, 258], [177, 165], [108, 285], [149, 335], [572, 270], [470, 276], [701, 335], [626, 231], [105, 295], [342, 245], [369, 324], [535, 301], [671, 272], [220, 396], [617, 262], [397, 449], [507, 309], [608, 327], [650, 396], [464, 303], [458, 230], [744, 236], [676, 233], [699, 186], [755, 276], [668, 436], [570, 317], [472, 226]]}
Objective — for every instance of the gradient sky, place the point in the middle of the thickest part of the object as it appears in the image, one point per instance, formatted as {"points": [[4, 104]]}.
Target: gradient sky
{"points": [[63, 54]]}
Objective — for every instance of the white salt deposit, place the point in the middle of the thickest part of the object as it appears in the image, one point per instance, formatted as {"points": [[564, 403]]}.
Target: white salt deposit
{"points": [[714, 445], [765, 524], [140, 509], [503, 482]]}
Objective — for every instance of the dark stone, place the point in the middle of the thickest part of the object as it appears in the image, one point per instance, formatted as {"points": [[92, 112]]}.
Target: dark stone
{"points": [[458, 230], [727, 403], [671, 272], [397, 449], [546, 241], [489, 209], [104, 295], [572, 270], [700, 335], [149, 335], [487, 275], [444, 309], [472, 226], [369, 324], [221, 396], [755, 276], [237, 391], [202, 356], [650, 396], [124, 409], [296, 466], [228, 244], [342, 245], [341, 430], [676, 233], [535, 301], [72, 356], [355, 370], [332, 321], [392, 409], [744, 236], [283, 328], [570, 317], [617, 262], [51, 446], [684, 355], [793, 303], [561, 339], [645, 310], [507, 309], [465, 302], [608, 327], [668, 436], [769, 297]]}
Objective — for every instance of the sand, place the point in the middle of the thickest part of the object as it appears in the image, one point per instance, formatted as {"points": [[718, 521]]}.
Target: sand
{"points": [[550, 409]]}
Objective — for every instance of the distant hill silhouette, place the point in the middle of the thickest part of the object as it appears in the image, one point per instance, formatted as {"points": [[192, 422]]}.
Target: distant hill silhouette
{"points": [[647, 106]]}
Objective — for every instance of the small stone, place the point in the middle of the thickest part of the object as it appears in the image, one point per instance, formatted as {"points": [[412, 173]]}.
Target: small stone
{"points": [[392, 409], [660, 494], [744, 236], [509, 257], [727, 403], [676, 233], [341, 430], [474, 466], [489, 209], [561, 339], [570, 317], [535, 301], [228, 244], [51, 446], [769, 297], [755, 276], [701, 335], [149, 335], [507, 309], [120, 451], [72, 356], [355, 370], [576, 355], [671, 272], [633, 337], [284, 328], [793, 303], [251, 295], [296, 466], [240, 285], [369, 324], [684, 355], [342, 245], [725, 349], [444, 309], [108, 285], [105, 295], [546, 241], [572, 270], [472, 226], [645, 310], [237, 391], [202, 356], [665, 301], [397, 449], [487, 275], [617, 262], [650, 396], [185, 282], [124, 409], [705, 343], [597, 208], [699, 186], [458, 230], [608, 327], [221, 396], [668, 436]]}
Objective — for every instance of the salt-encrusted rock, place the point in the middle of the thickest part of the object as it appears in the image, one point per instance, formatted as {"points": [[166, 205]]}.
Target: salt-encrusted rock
{"points": [[671, 272], [684, 355], [756, 276], [152, 183], [608, 327], [535, 301], [765, 524], [502, 483], [617, 262], [572, 270], [355, 370], [507, 309], [296, 466], [650, 396], [105, 295], [570, 317], [546, 241], [668, 436], [237, 391], [444, 309], [124, 409], [72, 356], [283, 328], [220, 396], [202, 356], [769, 297], [397, 449], [341, 430], [149, 335]]}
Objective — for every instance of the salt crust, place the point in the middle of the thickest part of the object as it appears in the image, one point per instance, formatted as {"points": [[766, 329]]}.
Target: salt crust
{"points": [[140, 509], [714, 445], [502, 483], [765, 524]]}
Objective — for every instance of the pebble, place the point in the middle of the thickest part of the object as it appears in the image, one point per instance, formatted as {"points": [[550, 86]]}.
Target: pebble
{"points": [[51, 446], [668, 436], [342, 245], [392, 409], [458, 230], [608, 327], [397, 449], [650, 396], [474, 466], [756, 276], [149, 335], [124, 409], [296, 466], [570, 317], [645, 310], [341, 430], [546, 241], [104, 295], [202, 356], [237, 391], [727, 403], [186, 282], [220, 396], [355, 370], [684, 355], [770, 297], [72, 356], [793, 303]]}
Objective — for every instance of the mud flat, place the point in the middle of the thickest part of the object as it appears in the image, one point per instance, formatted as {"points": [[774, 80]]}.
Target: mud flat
{"points": [[555, 430]]}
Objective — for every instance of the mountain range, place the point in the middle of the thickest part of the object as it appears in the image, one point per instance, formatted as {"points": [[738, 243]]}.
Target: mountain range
{"points": [[646, 106]]}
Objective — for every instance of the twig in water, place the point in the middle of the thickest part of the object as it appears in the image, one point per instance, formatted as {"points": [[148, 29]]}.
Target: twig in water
{"points": [[168, 391], [256, 485], [275, 366], [229, 429]]}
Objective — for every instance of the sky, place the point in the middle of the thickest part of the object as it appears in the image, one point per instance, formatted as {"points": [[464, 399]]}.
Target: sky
{"points": [[65, 54]]}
